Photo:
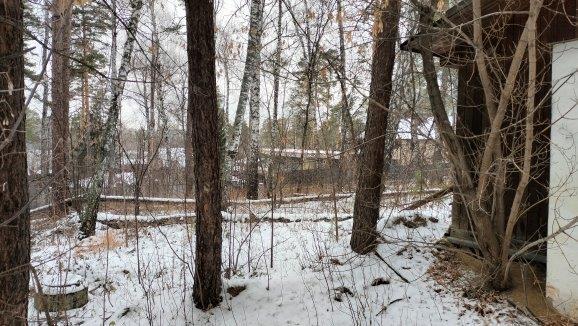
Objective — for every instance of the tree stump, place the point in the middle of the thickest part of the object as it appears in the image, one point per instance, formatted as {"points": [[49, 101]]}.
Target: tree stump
{"points": [[61, 293]]}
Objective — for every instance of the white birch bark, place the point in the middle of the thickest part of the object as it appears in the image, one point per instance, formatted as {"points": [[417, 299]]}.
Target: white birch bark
{"points": [[253, 159], [251, 65], [107, 142]]}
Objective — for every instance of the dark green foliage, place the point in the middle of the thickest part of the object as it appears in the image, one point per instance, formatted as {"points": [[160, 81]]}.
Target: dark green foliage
{"points": [[90, 23]]}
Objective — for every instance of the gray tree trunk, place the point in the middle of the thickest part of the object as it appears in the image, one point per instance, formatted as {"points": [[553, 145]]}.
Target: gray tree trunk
{"points": [[107, 142], [254, 106], [251, 66], [44, 132]]}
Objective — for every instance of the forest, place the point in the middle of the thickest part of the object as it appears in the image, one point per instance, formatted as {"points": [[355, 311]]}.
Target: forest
{"points": [[288, 162]]}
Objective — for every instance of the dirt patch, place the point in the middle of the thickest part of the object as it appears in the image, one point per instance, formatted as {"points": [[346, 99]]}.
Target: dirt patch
{"points": [[412, 223], [130, 222], [380, 281], [100, 243], [236, 290], [459, 271]]}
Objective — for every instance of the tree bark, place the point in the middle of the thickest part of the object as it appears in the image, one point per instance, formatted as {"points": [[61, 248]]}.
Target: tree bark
{"points": [[14, 212], [108, 140], [60, 86], [44, 132], [254, 106], [346, 119], [368, 195], [189, 164], [253, 48], [202, 107]]}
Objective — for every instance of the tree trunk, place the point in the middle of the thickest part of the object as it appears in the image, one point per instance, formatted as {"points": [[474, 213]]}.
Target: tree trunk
{"points": [[202, 107], [477, 207], [253, 48], [272, 170], [61, 14], [107, 141], [189, 164], [346, 119], [117, 159], [44, 129], [14, 212], [254, 103], [371, 161]]}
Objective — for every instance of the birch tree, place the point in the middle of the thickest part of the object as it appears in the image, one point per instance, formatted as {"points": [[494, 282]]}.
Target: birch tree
{"points": [[251, 65], [254, 105], [108, 140]]}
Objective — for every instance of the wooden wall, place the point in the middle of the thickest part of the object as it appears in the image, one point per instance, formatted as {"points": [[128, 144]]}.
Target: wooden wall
{"points": [[554, 25]]}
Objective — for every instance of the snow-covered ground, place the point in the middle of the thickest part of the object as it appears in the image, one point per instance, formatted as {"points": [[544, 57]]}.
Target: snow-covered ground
{"points": [[315, 280]]}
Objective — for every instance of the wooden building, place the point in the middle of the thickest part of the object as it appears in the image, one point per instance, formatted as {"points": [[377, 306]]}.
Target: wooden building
{"points": [[503, 22], [554, 25]]}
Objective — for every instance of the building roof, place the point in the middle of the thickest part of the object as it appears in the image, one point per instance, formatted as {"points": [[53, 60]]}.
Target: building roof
{"points": [[307, 153], [448, 42]]}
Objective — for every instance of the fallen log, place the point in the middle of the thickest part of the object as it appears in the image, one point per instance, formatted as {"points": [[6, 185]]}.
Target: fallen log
{"points": [[435, 196]]}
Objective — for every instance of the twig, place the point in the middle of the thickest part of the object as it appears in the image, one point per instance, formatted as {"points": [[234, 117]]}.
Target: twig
{"points": [[387, 306], [391, 267], [41, 296]]}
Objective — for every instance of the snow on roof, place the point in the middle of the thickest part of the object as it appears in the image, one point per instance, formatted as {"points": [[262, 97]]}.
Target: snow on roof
{"points": [[296, 152]]}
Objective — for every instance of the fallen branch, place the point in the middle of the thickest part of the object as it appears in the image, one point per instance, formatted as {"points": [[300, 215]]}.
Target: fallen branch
{"points": [[387, 306], [41, 296], [435, 196], [391, 267]]}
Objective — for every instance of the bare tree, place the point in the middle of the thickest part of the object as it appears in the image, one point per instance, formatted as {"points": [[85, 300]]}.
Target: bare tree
{"points": [[492, 227], [251, 65], [371, 160], [14, 212], [254, 106], [203, 110], [108, 139]]}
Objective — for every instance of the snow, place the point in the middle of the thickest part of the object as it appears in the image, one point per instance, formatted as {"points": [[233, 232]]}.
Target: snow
{"points": [[150, 199], [62, 283], [296, 152], [424, 130], [148, 279]]}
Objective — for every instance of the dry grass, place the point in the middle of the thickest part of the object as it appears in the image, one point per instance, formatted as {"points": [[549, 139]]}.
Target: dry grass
{"points": [[100, 243], [459, 271]]}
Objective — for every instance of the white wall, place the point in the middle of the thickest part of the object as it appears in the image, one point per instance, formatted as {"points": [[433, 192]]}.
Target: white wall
{"points": [[562, 269]]}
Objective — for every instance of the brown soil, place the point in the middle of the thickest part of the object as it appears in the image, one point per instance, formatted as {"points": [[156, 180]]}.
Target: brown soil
{"points": [[527, 293]]}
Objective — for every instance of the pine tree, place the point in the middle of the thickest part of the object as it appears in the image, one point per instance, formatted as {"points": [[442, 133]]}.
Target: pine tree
{"points": [[14, 212], [60, 86], [203, 109], [89, 29], [371, 160]]}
